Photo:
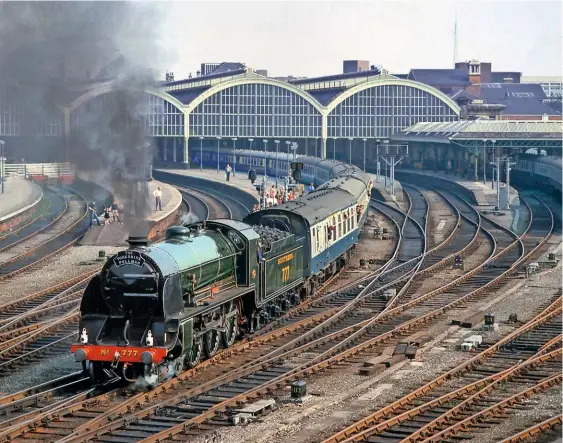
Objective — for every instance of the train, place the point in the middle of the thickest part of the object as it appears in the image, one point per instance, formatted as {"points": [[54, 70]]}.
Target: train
{"points": [[315, 170], [541, 171], [155, 310]]}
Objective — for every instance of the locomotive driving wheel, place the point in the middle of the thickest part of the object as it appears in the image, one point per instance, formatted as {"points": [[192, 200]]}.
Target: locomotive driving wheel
{"points": [[193, 357], [231, 328], [211, 343]]}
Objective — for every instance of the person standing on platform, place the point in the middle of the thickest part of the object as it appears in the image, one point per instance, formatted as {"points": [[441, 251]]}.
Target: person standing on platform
{"points": [[115, 211], [158, 199], [106, 216], [93, 214], [228, 171], [311, 188]]}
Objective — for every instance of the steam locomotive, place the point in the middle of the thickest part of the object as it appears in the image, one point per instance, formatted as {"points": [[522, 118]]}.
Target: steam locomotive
{"points": [[154, 310]]}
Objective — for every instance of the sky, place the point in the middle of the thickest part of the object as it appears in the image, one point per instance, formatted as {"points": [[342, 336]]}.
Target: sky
{"points": [[313, 38]]}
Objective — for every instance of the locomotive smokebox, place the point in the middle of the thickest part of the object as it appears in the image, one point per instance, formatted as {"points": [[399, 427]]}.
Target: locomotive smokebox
{"points": [[138, 241]]}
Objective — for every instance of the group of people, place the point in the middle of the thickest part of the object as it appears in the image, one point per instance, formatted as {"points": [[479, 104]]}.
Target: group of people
{"points": [[112, 211], [277, 196], [109, 211]]}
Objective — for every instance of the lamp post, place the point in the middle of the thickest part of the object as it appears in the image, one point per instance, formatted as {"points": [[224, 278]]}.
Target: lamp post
{"points": [[386, 144], [364, 140], [334, 149], [277, 142], [493, 162], [485, 161], [288, 143], [294, 149], [265, 157], [3, 162], [350, 150], [201, 153], [218, 143], [250, 140], [234, 139], [377, 141]]}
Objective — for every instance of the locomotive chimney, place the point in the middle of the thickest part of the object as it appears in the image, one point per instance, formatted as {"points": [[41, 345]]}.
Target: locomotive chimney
{"points": [[138, 242]]}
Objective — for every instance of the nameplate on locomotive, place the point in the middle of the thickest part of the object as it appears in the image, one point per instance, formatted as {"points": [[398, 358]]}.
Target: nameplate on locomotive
{"points": [[129, 258], [285, 258]]}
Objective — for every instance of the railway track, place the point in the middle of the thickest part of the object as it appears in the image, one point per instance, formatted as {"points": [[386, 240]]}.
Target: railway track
{"points": [[179, 413], [225, 203], [68, 227], [33, 307], [516, 359], [265, 339], [115, 412], [261, 376], [40, 325], [550, 426], [19, 406], [214, 207], [42, 216]]}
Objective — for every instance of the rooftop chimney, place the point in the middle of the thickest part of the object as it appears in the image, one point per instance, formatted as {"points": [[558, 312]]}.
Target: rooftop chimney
{"points": [[474, 71]]}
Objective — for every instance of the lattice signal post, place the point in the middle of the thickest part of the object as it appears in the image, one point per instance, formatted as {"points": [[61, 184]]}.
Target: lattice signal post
{"points": [[392, 156]]}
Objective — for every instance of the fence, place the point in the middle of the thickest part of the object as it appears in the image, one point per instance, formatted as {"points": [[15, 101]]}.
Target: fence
{"points": [[44, 170]]}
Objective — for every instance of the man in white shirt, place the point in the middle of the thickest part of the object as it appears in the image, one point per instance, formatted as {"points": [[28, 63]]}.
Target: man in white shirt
{"points": [[228, 171], [158, 196]]}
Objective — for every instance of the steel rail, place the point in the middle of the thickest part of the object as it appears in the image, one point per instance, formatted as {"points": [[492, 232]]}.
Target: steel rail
{"points": [[535, 430], [482, 386], [554, 380], [28, 224], [549, 313], [142, 413], [350, 433], [192, 199], [211, 192], [293, 374], [40, 260], [78, 285], [23, 254], [215, 202]]}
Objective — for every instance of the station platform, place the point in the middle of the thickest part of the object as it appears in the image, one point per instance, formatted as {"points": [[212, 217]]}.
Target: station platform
{"points": [[241, 182], [19, 197], [152, 226]]}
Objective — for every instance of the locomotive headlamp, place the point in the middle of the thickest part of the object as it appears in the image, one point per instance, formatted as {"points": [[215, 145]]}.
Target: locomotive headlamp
{"points": [[150, 339], [84, 337]]}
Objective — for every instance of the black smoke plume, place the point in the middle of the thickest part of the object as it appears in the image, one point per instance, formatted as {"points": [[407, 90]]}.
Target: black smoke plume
{"points": [[51, 53]]}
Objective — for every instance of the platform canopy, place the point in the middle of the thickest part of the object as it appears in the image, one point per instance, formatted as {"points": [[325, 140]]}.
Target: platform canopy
{"points": [[472, 134]]}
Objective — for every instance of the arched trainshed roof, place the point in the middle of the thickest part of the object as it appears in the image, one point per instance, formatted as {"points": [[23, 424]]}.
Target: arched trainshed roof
{"points": [[386, 80], [250, 78], [111, 86]]}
